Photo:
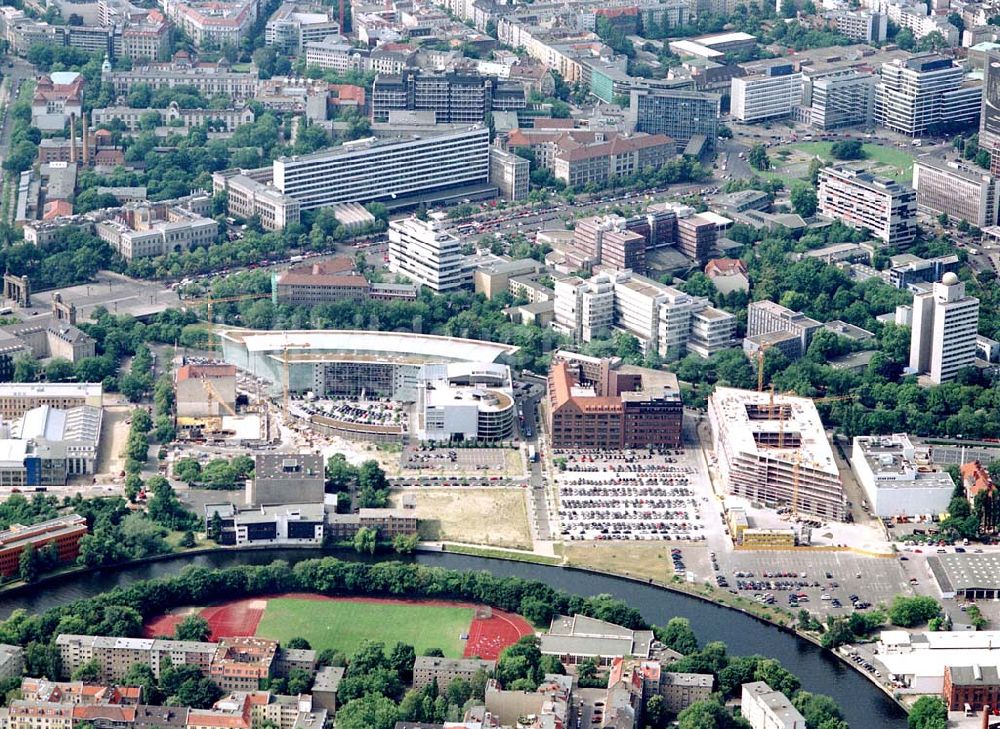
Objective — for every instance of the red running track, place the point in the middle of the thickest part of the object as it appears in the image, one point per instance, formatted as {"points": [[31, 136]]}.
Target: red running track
{"points": [[487, 636]]}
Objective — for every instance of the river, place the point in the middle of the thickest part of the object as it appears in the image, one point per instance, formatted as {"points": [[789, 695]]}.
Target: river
{"points": [[864, 705]]}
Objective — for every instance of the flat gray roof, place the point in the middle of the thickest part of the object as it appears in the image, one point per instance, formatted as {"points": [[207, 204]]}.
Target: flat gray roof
{"points": [[968, 571]]}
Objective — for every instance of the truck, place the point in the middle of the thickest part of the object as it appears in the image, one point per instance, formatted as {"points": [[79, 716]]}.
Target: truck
{"points": [[532, 454]]}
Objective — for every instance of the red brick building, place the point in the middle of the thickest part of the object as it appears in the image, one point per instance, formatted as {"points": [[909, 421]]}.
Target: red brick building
{"points": [[977, 686], [627, 407], [65, 532]]}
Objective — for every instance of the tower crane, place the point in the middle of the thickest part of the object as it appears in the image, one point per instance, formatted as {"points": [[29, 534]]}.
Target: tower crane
{"points": [[212, 392], [209, 302], [797, 455]]}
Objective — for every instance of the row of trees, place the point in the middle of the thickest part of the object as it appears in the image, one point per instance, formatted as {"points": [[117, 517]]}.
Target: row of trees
{"points": [[373, 684], [221, 473]]}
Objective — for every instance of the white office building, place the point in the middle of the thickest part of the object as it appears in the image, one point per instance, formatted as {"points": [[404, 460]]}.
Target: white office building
{"points": [[389, 170], [765, 708], [898, 478], [772, 95], [773, 449], [427, 254], [860, 199], [943, 338], [842, 99], [960, 191], [584, 310], [924, 90]]}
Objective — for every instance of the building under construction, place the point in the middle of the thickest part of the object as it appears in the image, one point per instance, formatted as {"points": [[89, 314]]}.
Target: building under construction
{"points": [[206, 405], [772, 449]]}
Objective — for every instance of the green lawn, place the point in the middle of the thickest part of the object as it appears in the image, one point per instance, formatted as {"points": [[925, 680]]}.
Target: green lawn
{"points": [[900, 160], [342, 625]]}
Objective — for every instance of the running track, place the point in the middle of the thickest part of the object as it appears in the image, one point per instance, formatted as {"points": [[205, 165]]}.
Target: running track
{"points": [[487, 636]]}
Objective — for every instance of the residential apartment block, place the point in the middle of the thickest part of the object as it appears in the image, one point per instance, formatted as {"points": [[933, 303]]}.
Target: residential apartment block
{"points": [[609, 240], [584, 309], [293, 25], [960, 191], [860, 199], [234, 664], [864, 26], [213, 23], [663, 318], [427, 669], [943, 337], [765, 708], [428, 255], [389, 170], [773, 325]]}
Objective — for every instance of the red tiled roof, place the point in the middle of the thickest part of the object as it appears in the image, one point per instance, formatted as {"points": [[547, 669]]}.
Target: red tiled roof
{"points": [[562, 384], [106, 712], [976, 479], [725, 267], [616, 12], [57, 208], [573, 151], [205, 370]]}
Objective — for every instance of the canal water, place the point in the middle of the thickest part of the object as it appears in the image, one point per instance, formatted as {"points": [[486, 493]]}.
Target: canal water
{"points": [[864, 705]]}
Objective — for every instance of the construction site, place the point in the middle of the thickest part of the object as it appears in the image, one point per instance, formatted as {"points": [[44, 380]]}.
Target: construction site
{"points": [[773, 450]]}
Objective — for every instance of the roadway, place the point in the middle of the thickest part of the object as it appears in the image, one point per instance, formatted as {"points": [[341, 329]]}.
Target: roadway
{"points": [[19, 72]]}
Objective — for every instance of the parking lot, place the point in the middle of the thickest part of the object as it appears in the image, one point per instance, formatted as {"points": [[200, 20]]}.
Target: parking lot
{"points": [[838, 575], [629, 495]]}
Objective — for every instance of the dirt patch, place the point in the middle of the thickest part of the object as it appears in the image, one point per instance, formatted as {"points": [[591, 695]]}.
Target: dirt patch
{"points": [[496, 517], [114, 435]]}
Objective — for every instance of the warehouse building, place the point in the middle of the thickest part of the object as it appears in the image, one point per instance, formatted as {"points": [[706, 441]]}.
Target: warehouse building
{"points": [[898, 478]]}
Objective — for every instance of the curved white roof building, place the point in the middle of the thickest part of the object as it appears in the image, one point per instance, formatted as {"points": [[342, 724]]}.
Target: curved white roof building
{"points": [[345, 363]]}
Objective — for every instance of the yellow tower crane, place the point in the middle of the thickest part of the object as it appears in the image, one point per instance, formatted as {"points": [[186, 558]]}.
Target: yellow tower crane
{"points": [[797, 455], [212, 392]]}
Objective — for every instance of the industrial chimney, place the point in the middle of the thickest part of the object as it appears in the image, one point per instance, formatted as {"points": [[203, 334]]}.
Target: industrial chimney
{"points": [[86, 142], [72, 138]]}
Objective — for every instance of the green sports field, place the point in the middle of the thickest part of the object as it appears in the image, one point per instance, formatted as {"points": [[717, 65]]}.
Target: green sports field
{"points": [[343, 625]]}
